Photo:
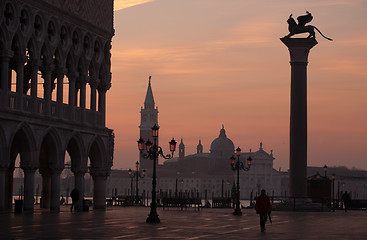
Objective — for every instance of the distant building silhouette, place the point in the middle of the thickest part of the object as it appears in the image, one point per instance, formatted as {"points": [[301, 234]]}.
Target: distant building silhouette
{"points": [[148, 118], [212, 167]]}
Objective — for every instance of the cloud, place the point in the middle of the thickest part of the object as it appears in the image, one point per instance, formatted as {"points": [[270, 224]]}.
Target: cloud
{"points": [[121, 4]]}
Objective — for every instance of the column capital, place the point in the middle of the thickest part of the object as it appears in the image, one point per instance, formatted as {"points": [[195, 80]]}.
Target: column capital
{"points": [[29, 170], [60, 71], [47, 69], [6, 54], [29, 166], [79, 171], [299, 48], [35, 63], [72, 76], [4, 165], [99, 173], [93, 82], [20, 59], [56, 170], [104, 86]]}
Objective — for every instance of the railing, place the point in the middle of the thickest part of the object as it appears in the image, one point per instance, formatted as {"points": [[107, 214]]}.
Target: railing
{"points": [[178, 202], [301, 204], [222, 202], [74, 114]]}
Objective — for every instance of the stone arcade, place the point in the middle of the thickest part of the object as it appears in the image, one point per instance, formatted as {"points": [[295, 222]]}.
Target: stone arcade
{"points": [[53, 55]]}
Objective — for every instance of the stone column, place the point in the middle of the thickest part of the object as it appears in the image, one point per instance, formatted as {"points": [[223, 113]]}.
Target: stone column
{"points": [[3, 170], [29, 189], [93, 101], [79, 184], [60, 91], [46, 189], [46, 74], [5, 56], [102, 104], [83, 82], [34, 85], [72, 79], [20, 60], [55, 190], [299, 49], [99, 190]]}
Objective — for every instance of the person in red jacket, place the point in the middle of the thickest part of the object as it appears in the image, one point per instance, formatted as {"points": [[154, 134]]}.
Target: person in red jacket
{"points": [[263, 208]]}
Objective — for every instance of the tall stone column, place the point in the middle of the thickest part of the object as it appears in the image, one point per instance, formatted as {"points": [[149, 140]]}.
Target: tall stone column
{"points": [[3, 170], [299, 49], [5, 56], [99, 190], [55, 190], [46, 189], [29, 189], [79, 184]]}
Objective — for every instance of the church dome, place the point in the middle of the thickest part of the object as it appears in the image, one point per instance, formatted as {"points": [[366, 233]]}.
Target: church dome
{"points": [[222, 146]]}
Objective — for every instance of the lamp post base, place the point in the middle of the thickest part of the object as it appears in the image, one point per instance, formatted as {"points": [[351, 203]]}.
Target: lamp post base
{"points": [[153, 218], [237, 212]]}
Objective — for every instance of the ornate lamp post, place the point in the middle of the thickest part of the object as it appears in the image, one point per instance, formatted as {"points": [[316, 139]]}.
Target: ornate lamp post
{"points": [[136, 174], [236, 166], [153, 151]]}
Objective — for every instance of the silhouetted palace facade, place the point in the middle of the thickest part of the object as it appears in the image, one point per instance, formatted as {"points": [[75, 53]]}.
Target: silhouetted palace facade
{"points": [[54, 75]]}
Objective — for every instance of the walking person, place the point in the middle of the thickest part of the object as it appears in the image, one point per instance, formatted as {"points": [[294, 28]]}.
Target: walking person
{"points": [[345, 200], [263, 208], [75, 198]]}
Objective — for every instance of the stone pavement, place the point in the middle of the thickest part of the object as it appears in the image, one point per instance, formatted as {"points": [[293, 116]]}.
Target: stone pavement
{"points": [[129, 223]]}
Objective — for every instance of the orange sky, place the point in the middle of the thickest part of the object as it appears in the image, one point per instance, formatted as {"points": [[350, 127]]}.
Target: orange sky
{"points": [[217, 62]]}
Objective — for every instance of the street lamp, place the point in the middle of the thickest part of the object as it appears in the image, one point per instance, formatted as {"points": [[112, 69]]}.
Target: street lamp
{"points": [[136, 174], [325, 169], [153, 151], [236, 166]]}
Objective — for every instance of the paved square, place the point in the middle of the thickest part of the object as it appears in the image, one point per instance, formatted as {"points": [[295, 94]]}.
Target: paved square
{"points": [[129, 223]]}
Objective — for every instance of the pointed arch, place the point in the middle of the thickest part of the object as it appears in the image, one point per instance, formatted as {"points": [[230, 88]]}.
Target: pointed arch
{"points": [[22, 141], [46, 54], [76, 149], [96, 152], [50, 150]]}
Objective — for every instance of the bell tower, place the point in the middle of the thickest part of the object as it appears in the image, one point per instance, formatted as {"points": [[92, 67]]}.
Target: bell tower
{"points": [[181, 149], [148, 117]]}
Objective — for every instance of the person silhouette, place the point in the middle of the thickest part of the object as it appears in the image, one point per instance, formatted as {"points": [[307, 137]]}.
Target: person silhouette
{"points": [[263, 208], [345, 200], [75, 198], [62, 200]]}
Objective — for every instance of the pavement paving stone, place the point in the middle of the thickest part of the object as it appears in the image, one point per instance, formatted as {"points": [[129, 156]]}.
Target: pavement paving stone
{"points": [[129, 223]]}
